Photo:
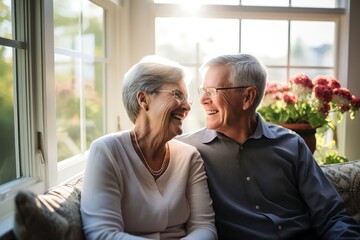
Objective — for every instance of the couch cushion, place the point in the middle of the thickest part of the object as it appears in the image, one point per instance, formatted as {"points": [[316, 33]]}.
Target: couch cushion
{"points": [[345, 177], [53, 215]]}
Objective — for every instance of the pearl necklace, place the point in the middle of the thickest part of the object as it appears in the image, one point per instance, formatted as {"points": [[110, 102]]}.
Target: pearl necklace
{"points": [[152, 171]]}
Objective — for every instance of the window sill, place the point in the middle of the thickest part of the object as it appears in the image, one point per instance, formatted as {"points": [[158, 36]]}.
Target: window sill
{"points": [[7, 195]]}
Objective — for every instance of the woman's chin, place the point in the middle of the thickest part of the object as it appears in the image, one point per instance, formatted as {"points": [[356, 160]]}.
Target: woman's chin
{"points": [[177, 130]]}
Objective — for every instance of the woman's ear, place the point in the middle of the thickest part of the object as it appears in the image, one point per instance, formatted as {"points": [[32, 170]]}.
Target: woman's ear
{"points": [[143, 99], [249, 97]]}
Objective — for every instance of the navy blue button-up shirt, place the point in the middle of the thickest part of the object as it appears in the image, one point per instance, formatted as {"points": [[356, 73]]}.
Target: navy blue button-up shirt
{"points": [[270, 187]]}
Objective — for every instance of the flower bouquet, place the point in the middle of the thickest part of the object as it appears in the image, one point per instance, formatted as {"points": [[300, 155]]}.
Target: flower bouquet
{"points": [[320, 102]]}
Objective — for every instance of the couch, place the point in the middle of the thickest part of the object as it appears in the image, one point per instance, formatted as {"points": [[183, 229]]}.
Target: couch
{"points": [[56, 214]]}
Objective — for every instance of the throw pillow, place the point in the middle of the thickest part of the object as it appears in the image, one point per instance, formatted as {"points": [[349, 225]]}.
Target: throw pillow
{"points": [[53, 215]]}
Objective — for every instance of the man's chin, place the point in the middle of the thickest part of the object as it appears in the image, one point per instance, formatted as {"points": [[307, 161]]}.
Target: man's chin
{"points": [[211, 126]]}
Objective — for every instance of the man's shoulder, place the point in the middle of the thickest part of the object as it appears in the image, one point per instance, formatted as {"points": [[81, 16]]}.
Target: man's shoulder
{"points": [[193, 137], [279, 130]]}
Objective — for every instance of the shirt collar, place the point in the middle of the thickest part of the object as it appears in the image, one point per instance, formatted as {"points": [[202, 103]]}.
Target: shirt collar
{"points": [[262, 129]]}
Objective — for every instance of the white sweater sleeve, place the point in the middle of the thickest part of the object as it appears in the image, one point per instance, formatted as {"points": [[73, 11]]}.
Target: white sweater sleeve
{"points": [[101, 197], [201, 224]]}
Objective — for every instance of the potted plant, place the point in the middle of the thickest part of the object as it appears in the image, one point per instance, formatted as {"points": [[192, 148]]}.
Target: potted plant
{"points": [[318, 103]]}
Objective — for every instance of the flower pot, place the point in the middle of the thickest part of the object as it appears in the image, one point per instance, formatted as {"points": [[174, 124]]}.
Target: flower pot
{"points": [[305, 131]]}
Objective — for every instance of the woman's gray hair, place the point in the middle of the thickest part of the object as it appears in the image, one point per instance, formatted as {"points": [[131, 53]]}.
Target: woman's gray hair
{"points": [[148, 75], [246, 70]]}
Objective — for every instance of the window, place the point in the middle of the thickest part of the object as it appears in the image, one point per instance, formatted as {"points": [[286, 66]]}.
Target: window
{"points": [[302, 49], [80, 80], [286, 43], [54, 91], [191, 41], [18, 129], [272, 3], [8, 163]]}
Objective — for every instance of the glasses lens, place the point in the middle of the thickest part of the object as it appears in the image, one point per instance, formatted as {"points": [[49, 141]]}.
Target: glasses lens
{"points": [[212, 92], [201, 91], [179, 96]]}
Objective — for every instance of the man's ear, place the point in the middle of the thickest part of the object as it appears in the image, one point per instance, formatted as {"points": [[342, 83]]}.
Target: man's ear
{"points": [[249, 97], [143, 100]]}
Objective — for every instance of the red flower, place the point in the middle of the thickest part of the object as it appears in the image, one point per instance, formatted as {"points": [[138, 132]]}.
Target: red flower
{"points": [[344, 107], [334, 83], [303, 80], [289, 98], [321, 80], [341, 95], [323, 93], [355, 102], [303, 100], [275, 88], [278, 96], [324, 108]]}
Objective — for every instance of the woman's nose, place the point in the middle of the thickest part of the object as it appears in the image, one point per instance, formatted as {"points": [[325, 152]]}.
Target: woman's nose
{"points": [[187, 104]]}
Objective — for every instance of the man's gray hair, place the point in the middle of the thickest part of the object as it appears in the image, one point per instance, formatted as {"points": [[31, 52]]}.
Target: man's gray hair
{"points": [[246, 70]]}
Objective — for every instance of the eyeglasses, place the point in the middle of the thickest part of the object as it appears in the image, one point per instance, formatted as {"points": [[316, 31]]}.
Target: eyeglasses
{"points": [[212, 92], [177, 95]]}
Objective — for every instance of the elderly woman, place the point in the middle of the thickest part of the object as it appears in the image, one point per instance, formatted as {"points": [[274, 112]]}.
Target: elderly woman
{"points": [[142, 183]]}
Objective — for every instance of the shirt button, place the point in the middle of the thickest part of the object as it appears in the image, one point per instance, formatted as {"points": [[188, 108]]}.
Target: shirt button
{"points": [[257, 207], [279, 227], [248, 179]]}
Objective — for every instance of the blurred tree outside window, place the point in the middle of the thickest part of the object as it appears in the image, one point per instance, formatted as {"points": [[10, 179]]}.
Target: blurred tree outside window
{"points": [[80, 63], [8, 161]]}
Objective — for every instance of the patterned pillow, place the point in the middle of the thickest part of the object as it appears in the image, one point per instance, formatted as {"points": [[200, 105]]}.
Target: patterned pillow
{"points": [[345, 177], [53, 215]]}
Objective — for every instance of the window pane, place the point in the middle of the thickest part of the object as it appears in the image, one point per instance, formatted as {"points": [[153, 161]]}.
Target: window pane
{"points": [[217, 2], [5, 19], [67, 20], [196, 117], [94, 111], [273, 3], [7, 119], [80, 78], [191, 41], [312, 43], [266, 39], [312, 72], [277, 75], [314, 4], [68, 89], [93, 32]]}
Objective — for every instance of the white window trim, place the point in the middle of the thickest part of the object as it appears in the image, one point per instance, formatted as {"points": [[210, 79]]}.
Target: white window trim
{"points": [[142, 22], [31, 166], [41, 166], [70, 169]]}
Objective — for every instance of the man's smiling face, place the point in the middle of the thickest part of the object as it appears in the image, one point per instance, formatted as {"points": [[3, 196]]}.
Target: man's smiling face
{"points": [[224, 109]]}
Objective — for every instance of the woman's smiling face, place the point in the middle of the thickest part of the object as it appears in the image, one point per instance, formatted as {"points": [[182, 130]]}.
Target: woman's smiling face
{"points": [[167, 112]]}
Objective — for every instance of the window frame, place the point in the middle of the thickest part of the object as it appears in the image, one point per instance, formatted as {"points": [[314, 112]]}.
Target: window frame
{"points": [[36, 100], [26, 54], [255, 13], [289, 14], [73, 167]]}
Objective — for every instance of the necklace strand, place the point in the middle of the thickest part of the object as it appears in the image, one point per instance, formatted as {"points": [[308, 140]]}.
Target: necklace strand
{"points": [[152, 171]]}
